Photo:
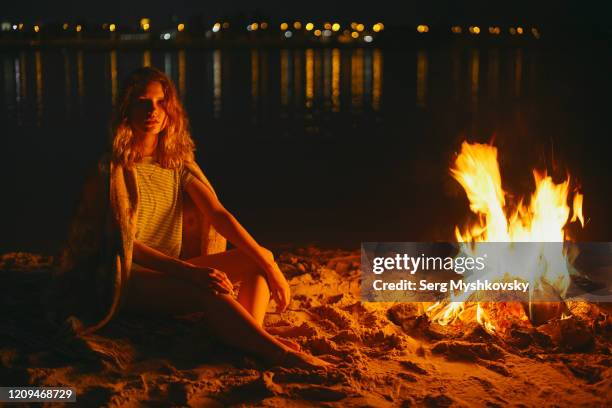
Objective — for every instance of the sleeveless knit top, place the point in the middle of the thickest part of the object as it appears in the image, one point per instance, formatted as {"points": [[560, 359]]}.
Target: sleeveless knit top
{"points": [[160, 210]]}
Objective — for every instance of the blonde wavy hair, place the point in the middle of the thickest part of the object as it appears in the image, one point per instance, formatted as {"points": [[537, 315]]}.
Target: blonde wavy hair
{"points": [[175, 144]]}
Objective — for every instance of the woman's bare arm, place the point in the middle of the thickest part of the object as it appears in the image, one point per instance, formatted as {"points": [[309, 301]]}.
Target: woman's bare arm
{"points": [[226, 223], [230, 228], [158, 261]]}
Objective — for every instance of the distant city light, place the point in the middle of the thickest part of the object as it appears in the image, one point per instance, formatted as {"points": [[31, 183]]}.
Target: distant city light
{"points": [[145, 24], [326, 29]]}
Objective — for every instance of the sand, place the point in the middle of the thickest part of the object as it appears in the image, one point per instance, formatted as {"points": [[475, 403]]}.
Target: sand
{"points": [[383, 354]]}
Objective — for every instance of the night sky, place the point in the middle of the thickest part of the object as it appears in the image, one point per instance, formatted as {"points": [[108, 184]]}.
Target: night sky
{"points": [[596, 14]]}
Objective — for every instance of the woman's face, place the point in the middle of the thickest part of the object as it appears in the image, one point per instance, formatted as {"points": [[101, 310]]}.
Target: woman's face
{"points": [[147, 114]]}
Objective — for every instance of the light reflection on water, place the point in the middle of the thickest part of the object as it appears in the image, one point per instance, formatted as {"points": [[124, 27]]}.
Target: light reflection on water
{"points": [[357, 78], [39, 86], [146, 58], [376, 79], [113, 76], [19, 80], [335, 84], [217, 90], [421, 79], [182, 67], [518, 72], [80, 80], [292, 81], [309, 85], [285, 72], [474, 76], [255, 77]]}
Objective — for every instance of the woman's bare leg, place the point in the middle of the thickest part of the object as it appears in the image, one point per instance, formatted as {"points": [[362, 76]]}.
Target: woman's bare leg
{"points": [[157, 293], [254, 294]]}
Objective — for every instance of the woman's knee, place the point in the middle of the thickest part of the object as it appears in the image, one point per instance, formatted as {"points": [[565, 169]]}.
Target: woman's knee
{"points": [[252, 270], [268, 254], [256, 278]]}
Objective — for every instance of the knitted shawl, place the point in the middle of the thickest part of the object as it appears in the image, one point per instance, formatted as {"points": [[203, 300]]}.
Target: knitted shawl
{"points": [[91, 278]]}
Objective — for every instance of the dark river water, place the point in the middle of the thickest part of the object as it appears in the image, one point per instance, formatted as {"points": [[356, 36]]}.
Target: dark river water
{"points": [[325, 145]]}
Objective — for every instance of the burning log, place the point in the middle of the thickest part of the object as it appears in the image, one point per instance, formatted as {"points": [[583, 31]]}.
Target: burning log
{"points": [[571, 333]]}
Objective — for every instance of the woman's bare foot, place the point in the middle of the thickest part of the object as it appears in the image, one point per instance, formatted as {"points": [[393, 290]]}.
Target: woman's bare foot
{"points": [[290, 343], [294, 359]]}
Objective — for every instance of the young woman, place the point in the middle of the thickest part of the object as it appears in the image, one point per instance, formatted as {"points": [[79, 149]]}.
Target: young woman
{"points": [[152, 177]]}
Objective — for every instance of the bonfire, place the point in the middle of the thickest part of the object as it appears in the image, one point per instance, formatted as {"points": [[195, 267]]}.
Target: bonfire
{"points": [[539, 221]]}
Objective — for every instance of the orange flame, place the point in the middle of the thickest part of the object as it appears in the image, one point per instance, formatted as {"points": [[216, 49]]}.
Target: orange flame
{"points": [[542, 220]]}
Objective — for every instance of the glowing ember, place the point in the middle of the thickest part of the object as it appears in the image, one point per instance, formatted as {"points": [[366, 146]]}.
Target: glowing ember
{"points": [[542, 220]]}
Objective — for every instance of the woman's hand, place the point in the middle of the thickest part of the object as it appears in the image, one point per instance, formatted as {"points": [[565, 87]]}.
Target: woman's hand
{"points": [[279, 287], [212, 279]]}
